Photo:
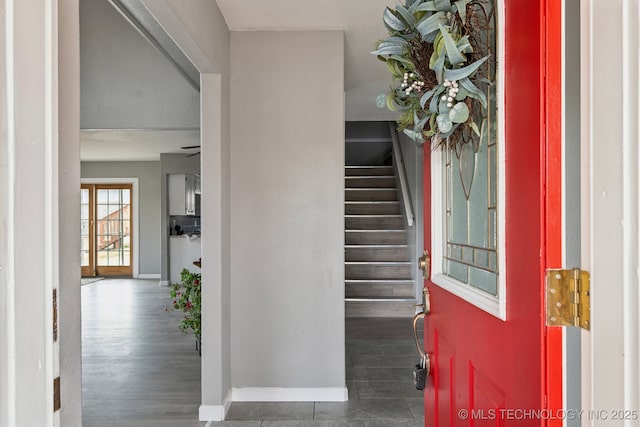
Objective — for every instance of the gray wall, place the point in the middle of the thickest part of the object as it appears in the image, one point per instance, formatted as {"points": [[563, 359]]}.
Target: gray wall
{"points": [[287, 224], [141, 89], [199, 28], [148, 174], [69, 201]]}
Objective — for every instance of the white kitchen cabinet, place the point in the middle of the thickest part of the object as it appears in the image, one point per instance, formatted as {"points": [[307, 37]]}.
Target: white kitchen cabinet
{"points": [[182, 194], [183, 251]]}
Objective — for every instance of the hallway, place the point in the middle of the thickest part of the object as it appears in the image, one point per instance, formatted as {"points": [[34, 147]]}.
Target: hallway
{"points": [[140, 371]]}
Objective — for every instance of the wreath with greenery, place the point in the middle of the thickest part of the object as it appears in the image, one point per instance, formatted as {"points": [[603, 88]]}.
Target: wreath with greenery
{"points": [[435, 52]]}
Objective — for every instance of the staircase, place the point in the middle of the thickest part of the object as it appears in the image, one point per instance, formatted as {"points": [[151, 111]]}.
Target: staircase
{"points": [[378, 279]]}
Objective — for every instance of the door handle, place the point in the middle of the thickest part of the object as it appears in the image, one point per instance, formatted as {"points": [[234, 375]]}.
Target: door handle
{"points": [[424, 356], [426, 301], [424, 264]]}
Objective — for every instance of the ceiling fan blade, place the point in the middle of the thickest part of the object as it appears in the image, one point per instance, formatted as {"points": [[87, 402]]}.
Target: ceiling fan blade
{"points": [[188, 147], [193, 154]]}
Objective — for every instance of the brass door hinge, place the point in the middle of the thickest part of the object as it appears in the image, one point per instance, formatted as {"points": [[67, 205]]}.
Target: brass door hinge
{"points": [[55, 315], [568, 298], [56, 394]]}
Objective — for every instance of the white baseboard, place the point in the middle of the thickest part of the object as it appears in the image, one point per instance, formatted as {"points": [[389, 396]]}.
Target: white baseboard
{"points": [[148, 276], [215, 412], [277, 394], [163, 283]]}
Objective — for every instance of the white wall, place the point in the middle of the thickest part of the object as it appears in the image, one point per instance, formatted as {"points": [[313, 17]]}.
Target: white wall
{"points": [[29, 227], [287, 207], [126, 83], [149, 224]]}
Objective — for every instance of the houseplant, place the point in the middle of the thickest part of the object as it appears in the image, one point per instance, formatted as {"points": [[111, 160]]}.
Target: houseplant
{"points": [[435, 52], [186, 297]]}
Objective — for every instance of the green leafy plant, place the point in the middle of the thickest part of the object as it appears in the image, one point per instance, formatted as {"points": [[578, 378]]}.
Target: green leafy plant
{"points": [[434, 52], [186, 297]]}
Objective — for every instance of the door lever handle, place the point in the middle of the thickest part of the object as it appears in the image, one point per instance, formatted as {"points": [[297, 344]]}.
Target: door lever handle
{"points": [[424, 356]]}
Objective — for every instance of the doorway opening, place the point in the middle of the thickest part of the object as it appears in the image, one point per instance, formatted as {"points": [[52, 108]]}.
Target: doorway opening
{"points": [[106, 230]]}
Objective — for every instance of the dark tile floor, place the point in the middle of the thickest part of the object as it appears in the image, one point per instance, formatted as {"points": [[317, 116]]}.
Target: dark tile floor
{"points": [[140, 371]]}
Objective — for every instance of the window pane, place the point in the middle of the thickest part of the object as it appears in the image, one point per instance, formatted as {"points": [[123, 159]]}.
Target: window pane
{"points": [[470, 175], [103, 197]]}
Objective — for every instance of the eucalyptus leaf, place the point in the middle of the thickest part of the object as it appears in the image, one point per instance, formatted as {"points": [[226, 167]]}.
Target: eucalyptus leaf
{"points": [[419, 122], [474, 92], [430, 24], [463, 45], [443, 106], [455, 57], [461, 73], [406, 16], [446, 135], [462, 94], [417, 137], [433, 105], [444, 123], [428, 6], [459, 113], [392, 22], [393, 41], [381, 100], [389, 50], [436, 91], [390, 104], [413, 6], [461, 5], [438, 67], [407, 63], [444, 5]]}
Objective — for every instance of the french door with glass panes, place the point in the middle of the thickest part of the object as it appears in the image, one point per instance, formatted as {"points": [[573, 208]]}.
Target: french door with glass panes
{"points": [[106, 235]]}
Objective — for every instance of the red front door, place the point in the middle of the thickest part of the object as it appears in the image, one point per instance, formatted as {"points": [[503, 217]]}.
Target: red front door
{"points": [[488, 366]]}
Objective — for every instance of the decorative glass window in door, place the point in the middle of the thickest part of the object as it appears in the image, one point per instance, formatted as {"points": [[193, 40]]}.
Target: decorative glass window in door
{"points": [[468, 192]]}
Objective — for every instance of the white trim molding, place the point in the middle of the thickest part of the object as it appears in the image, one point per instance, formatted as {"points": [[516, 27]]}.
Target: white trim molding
{"points": [[282, 394], [149, 276], [215, 412]]}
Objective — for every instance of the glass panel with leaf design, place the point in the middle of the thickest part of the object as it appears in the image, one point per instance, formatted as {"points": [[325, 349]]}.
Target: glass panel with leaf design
{"points": [[470, 173]]}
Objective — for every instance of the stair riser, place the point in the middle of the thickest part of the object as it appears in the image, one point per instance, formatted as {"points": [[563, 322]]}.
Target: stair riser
{"points": [[370, 182], [379, 309], [363, 290], [368, 171], [373, 223], [376, 271], [376, 254], [372, 209], [390, 194], [375, 238]]}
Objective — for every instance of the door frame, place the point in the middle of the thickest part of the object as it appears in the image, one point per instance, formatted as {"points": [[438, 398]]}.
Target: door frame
{"points": [[610, 183], [135, 198]]}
